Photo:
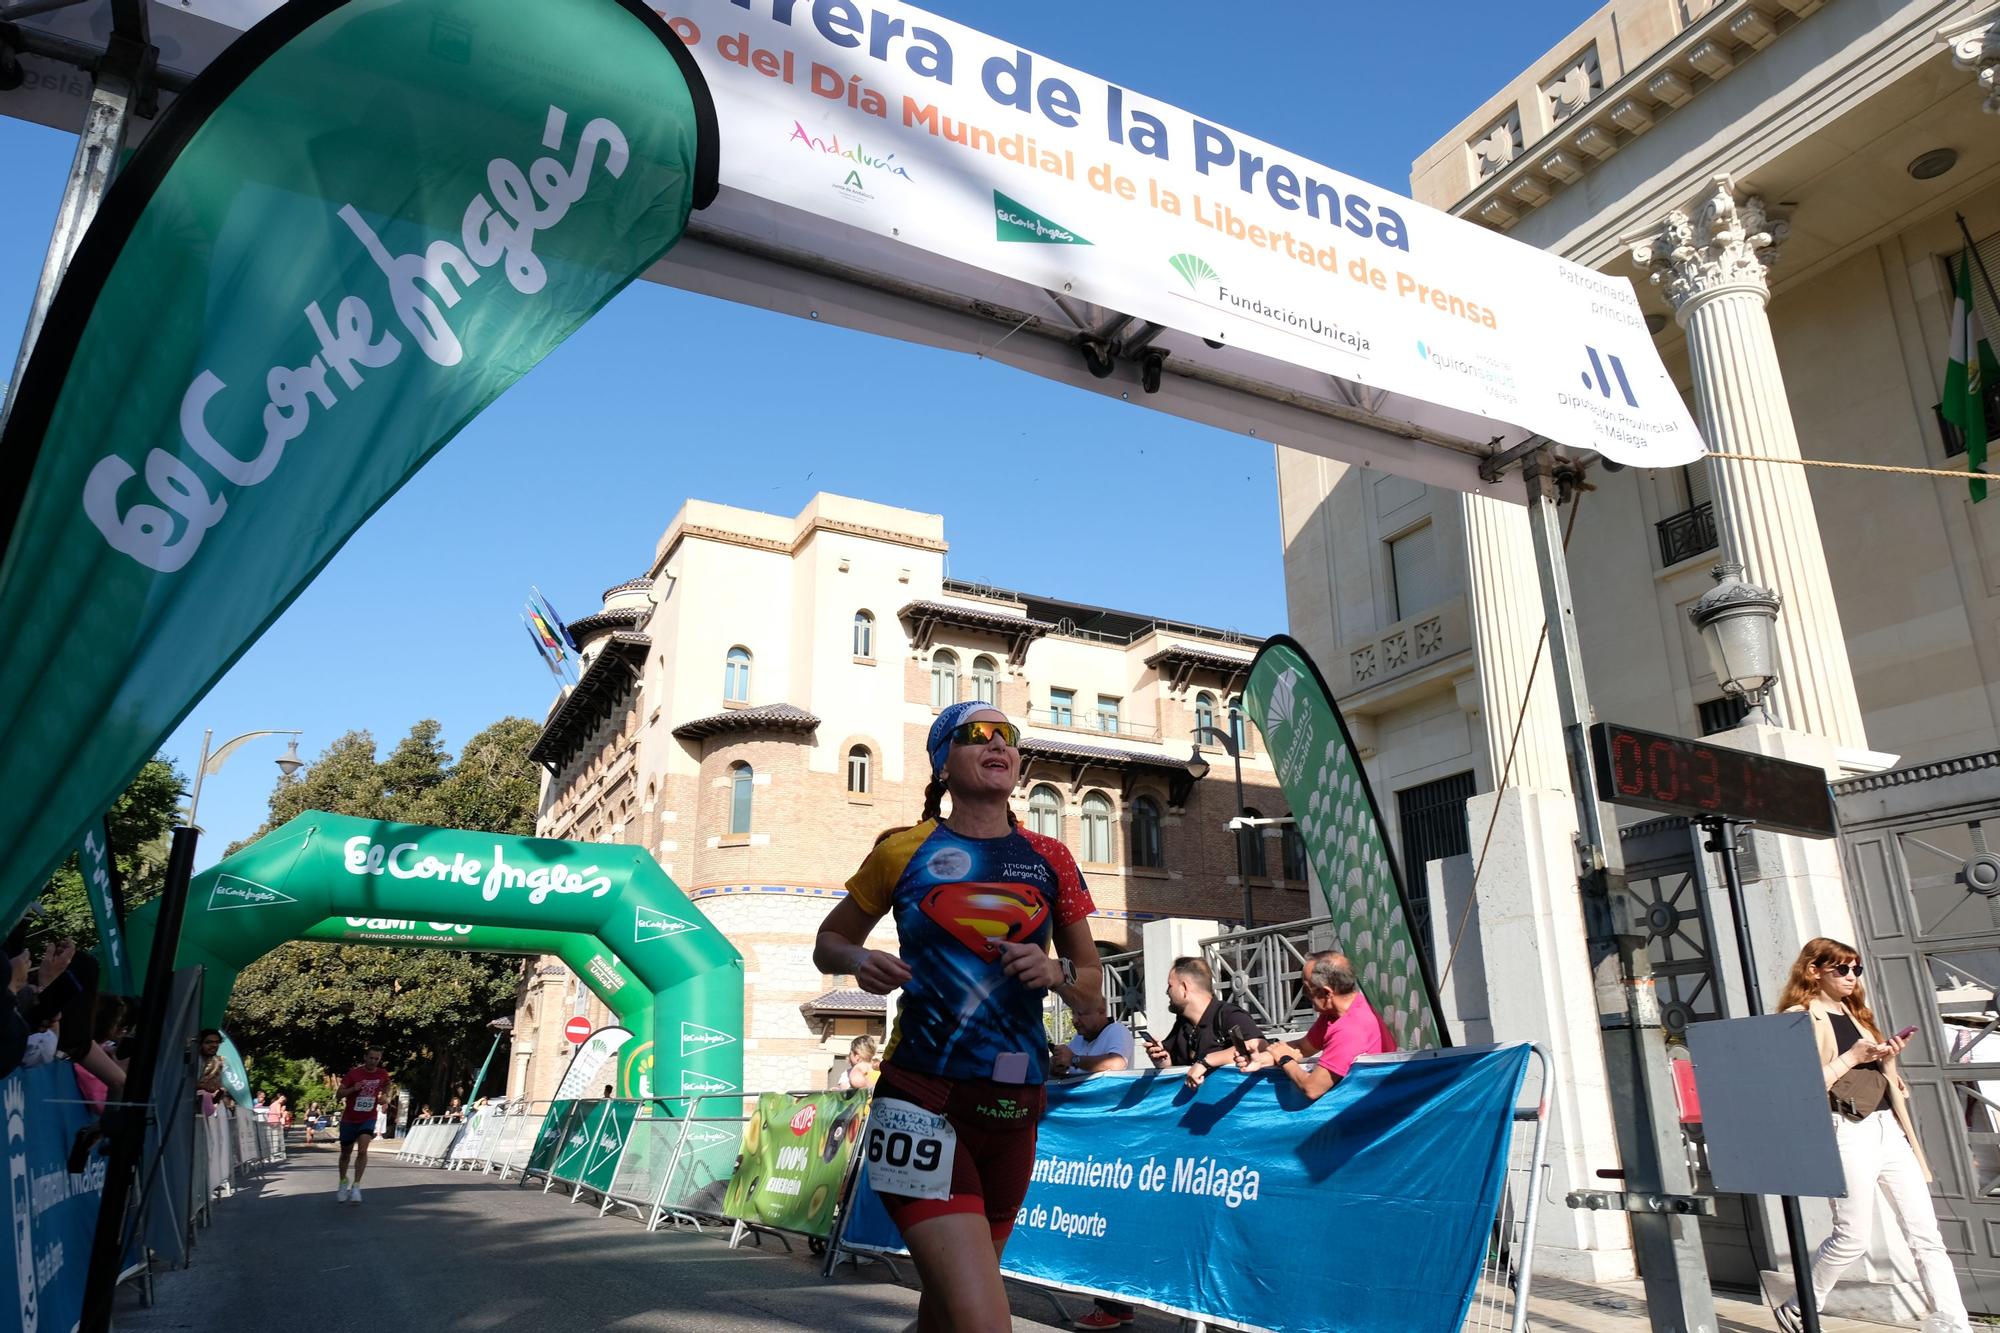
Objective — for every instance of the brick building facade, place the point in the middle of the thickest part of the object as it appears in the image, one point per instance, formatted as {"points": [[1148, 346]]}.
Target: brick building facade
{"points": [[753, 712]]}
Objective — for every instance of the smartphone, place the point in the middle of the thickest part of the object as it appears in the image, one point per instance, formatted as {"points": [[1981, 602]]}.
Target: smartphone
{"points": [[1907, 1033], [1148, 1038], [1242, 1047]]}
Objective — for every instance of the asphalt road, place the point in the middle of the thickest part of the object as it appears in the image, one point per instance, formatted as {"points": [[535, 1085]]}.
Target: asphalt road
{"points": [[441, 1251]]}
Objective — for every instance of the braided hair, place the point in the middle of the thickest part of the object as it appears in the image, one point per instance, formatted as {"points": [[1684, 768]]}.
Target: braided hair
{"points": [[934, 792]]}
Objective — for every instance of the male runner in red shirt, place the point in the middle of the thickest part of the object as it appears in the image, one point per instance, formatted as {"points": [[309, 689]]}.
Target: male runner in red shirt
{"points": [[365, 1087]]}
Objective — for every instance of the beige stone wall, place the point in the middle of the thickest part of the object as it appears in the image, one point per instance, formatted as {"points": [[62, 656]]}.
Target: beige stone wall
{"points": [[787, 589]]}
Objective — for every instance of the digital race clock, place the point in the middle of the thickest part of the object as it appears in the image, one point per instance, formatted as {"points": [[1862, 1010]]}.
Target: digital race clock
{"points": [[1693, 778]]}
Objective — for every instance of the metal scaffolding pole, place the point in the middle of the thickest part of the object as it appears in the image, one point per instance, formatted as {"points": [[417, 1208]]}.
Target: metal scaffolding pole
{"points": [[1657, 1178], [121, 83]]}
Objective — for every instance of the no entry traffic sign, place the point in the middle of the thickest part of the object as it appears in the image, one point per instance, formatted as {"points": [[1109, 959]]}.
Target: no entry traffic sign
{"points": [[577, 1031]]}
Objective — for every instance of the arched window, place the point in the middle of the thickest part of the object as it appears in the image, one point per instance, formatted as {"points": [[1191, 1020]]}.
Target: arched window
{"points": [[736, 676], [1045, 811], [1253, 847], [1204, 712], [985, 679], [1295, 854], [1239, 726], [859, 779], [1147, 843], [864, 634], [944, 678], [741, 779], [1097, 827]]}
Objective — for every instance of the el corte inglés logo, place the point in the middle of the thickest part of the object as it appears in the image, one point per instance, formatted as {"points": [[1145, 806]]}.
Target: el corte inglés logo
{"points": [[691, 1082], [653, 924], [231, 891], [695, 1037]]}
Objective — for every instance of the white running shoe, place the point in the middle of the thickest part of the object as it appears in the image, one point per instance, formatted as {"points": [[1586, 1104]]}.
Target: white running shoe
{"points": [[340, 1195], [354, 1195]]}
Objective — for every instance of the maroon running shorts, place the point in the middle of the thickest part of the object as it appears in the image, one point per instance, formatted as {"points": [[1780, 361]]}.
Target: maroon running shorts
{"points": [[996, 1125]]}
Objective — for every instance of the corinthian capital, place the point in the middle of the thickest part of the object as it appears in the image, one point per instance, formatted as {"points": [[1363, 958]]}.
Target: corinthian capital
{"points": [[1725, 244], [1978, 48]]}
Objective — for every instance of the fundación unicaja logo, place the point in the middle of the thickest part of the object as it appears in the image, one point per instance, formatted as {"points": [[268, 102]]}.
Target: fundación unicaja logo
{"points": [[1196, 272]]}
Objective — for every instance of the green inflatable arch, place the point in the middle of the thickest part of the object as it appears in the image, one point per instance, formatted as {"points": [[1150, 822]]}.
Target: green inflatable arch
{"points": [[608, 911]]}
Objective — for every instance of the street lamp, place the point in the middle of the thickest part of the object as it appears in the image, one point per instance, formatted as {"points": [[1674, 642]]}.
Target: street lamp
{"points": [[501, 1027], [1738, 624], [288, 763], [1198, 768]]}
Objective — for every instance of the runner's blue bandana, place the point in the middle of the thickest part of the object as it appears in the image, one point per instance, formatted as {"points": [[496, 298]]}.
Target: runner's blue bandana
{"points": [[947, 722]]}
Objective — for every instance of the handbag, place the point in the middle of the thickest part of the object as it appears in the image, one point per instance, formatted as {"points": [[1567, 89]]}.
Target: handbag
{"points": [[1859, 1093]]}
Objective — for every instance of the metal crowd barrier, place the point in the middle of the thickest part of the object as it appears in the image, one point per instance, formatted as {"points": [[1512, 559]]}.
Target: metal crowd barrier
{"points": [[428, 1142], [1501, 1298], [509, 1148]]}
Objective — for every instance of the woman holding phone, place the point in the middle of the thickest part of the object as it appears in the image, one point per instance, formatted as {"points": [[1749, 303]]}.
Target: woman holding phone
{"points": [[977, 902], [1870, 1105]]}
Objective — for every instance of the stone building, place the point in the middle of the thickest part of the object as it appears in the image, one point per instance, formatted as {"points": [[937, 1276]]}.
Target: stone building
{"points": [[1779, 180], [753, 712]]}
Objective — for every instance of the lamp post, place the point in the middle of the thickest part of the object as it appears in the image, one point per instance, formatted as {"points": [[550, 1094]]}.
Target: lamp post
{"points": [[288, 762], [501, 1028], [1199, 768], [1738, 624]]}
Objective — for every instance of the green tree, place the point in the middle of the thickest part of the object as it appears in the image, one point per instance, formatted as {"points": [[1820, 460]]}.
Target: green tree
{"points": [[141, 821], [428, 1008]]}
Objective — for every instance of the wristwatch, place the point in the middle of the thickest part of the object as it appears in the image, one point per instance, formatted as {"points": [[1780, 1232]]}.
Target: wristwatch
{"points": [[1068, 971], [1284, 1060]]}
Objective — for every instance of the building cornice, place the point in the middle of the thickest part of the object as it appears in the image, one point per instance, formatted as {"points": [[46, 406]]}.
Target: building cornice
{"points": [[924, 618], [1702, 55], [784, 718], [606, 684], [792, 545], [599, 622], [1931, 772]]}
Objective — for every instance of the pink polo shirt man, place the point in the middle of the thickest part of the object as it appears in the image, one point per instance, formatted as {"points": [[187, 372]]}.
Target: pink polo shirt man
{"points": [[1358, 1032]]}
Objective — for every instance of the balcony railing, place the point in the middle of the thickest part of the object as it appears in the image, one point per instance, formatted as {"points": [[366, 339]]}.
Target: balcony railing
{"points": [[1263, 970], [1686, 534], [1089, 720], [1954, 438]]}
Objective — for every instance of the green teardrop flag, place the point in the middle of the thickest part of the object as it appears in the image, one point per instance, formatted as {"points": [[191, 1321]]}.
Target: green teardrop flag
{"points": [[1337, 816], [354, 230]]}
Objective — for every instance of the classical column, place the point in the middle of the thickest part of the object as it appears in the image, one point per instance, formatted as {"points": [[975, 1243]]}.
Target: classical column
{"points": [[1713, 265], [1504, 595]]}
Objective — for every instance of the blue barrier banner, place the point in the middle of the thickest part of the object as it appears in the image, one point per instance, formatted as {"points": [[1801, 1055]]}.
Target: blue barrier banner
{"points": [[53, 1214], [1368, 1211]]}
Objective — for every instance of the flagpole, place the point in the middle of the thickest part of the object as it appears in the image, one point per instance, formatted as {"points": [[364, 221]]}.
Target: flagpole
{"points": [[1978, 262]]}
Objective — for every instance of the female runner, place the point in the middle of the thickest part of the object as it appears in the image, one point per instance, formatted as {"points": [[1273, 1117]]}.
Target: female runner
{"points": [[977, 900]]}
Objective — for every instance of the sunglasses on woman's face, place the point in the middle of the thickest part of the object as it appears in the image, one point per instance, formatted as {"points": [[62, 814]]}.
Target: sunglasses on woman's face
{"points": [[978, 733], [1845, 969]]}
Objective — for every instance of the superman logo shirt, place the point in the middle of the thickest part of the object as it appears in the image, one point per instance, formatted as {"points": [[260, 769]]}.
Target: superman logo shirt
{"points": [[956, 900]]}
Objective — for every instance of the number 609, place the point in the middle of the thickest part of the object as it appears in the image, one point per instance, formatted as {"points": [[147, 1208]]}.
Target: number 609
{"points": [[899, 1148]]}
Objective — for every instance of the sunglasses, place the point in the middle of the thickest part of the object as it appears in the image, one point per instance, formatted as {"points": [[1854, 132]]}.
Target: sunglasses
{"points": [[1845, 969], [978, 733]]}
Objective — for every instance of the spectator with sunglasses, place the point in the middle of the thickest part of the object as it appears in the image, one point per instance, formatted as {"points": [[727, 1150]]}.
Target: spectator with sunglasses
{"points": [[977, 902], [1879, 1153]]}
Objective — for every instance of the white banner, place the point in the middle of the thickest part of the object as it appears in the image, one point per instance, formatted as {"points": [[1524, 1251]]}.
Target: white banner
{"points": [[891, 120], [889, 170], [580, 1081]]}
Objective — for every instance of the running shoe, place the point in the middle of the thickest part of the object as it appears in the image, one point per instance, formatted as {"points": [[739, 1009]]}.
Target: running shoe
{"points": [[354, 1195], [1100, 1318], [340, 1195], [1788, 1318]]}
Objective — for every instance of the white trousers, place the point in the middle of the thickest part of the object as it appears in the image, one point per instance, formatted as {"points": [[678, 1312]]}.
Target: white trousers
{"points": [[1878, 1163]]}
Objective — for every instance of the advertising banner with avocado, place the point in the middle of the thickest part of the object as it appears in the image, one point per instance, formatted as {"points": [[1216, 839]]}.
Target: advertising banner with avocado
{"points": [[794, 1157]]}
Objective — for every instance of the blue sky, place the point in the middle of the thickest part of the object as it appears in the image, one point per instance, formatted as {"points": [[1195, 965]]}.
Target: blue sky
{"points": [[568, 481]]}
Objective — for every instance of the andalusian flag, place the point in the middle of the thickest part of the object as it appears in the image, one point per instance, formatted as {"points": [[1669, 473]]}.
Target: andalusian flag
{"points": [[1971, 369]]}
